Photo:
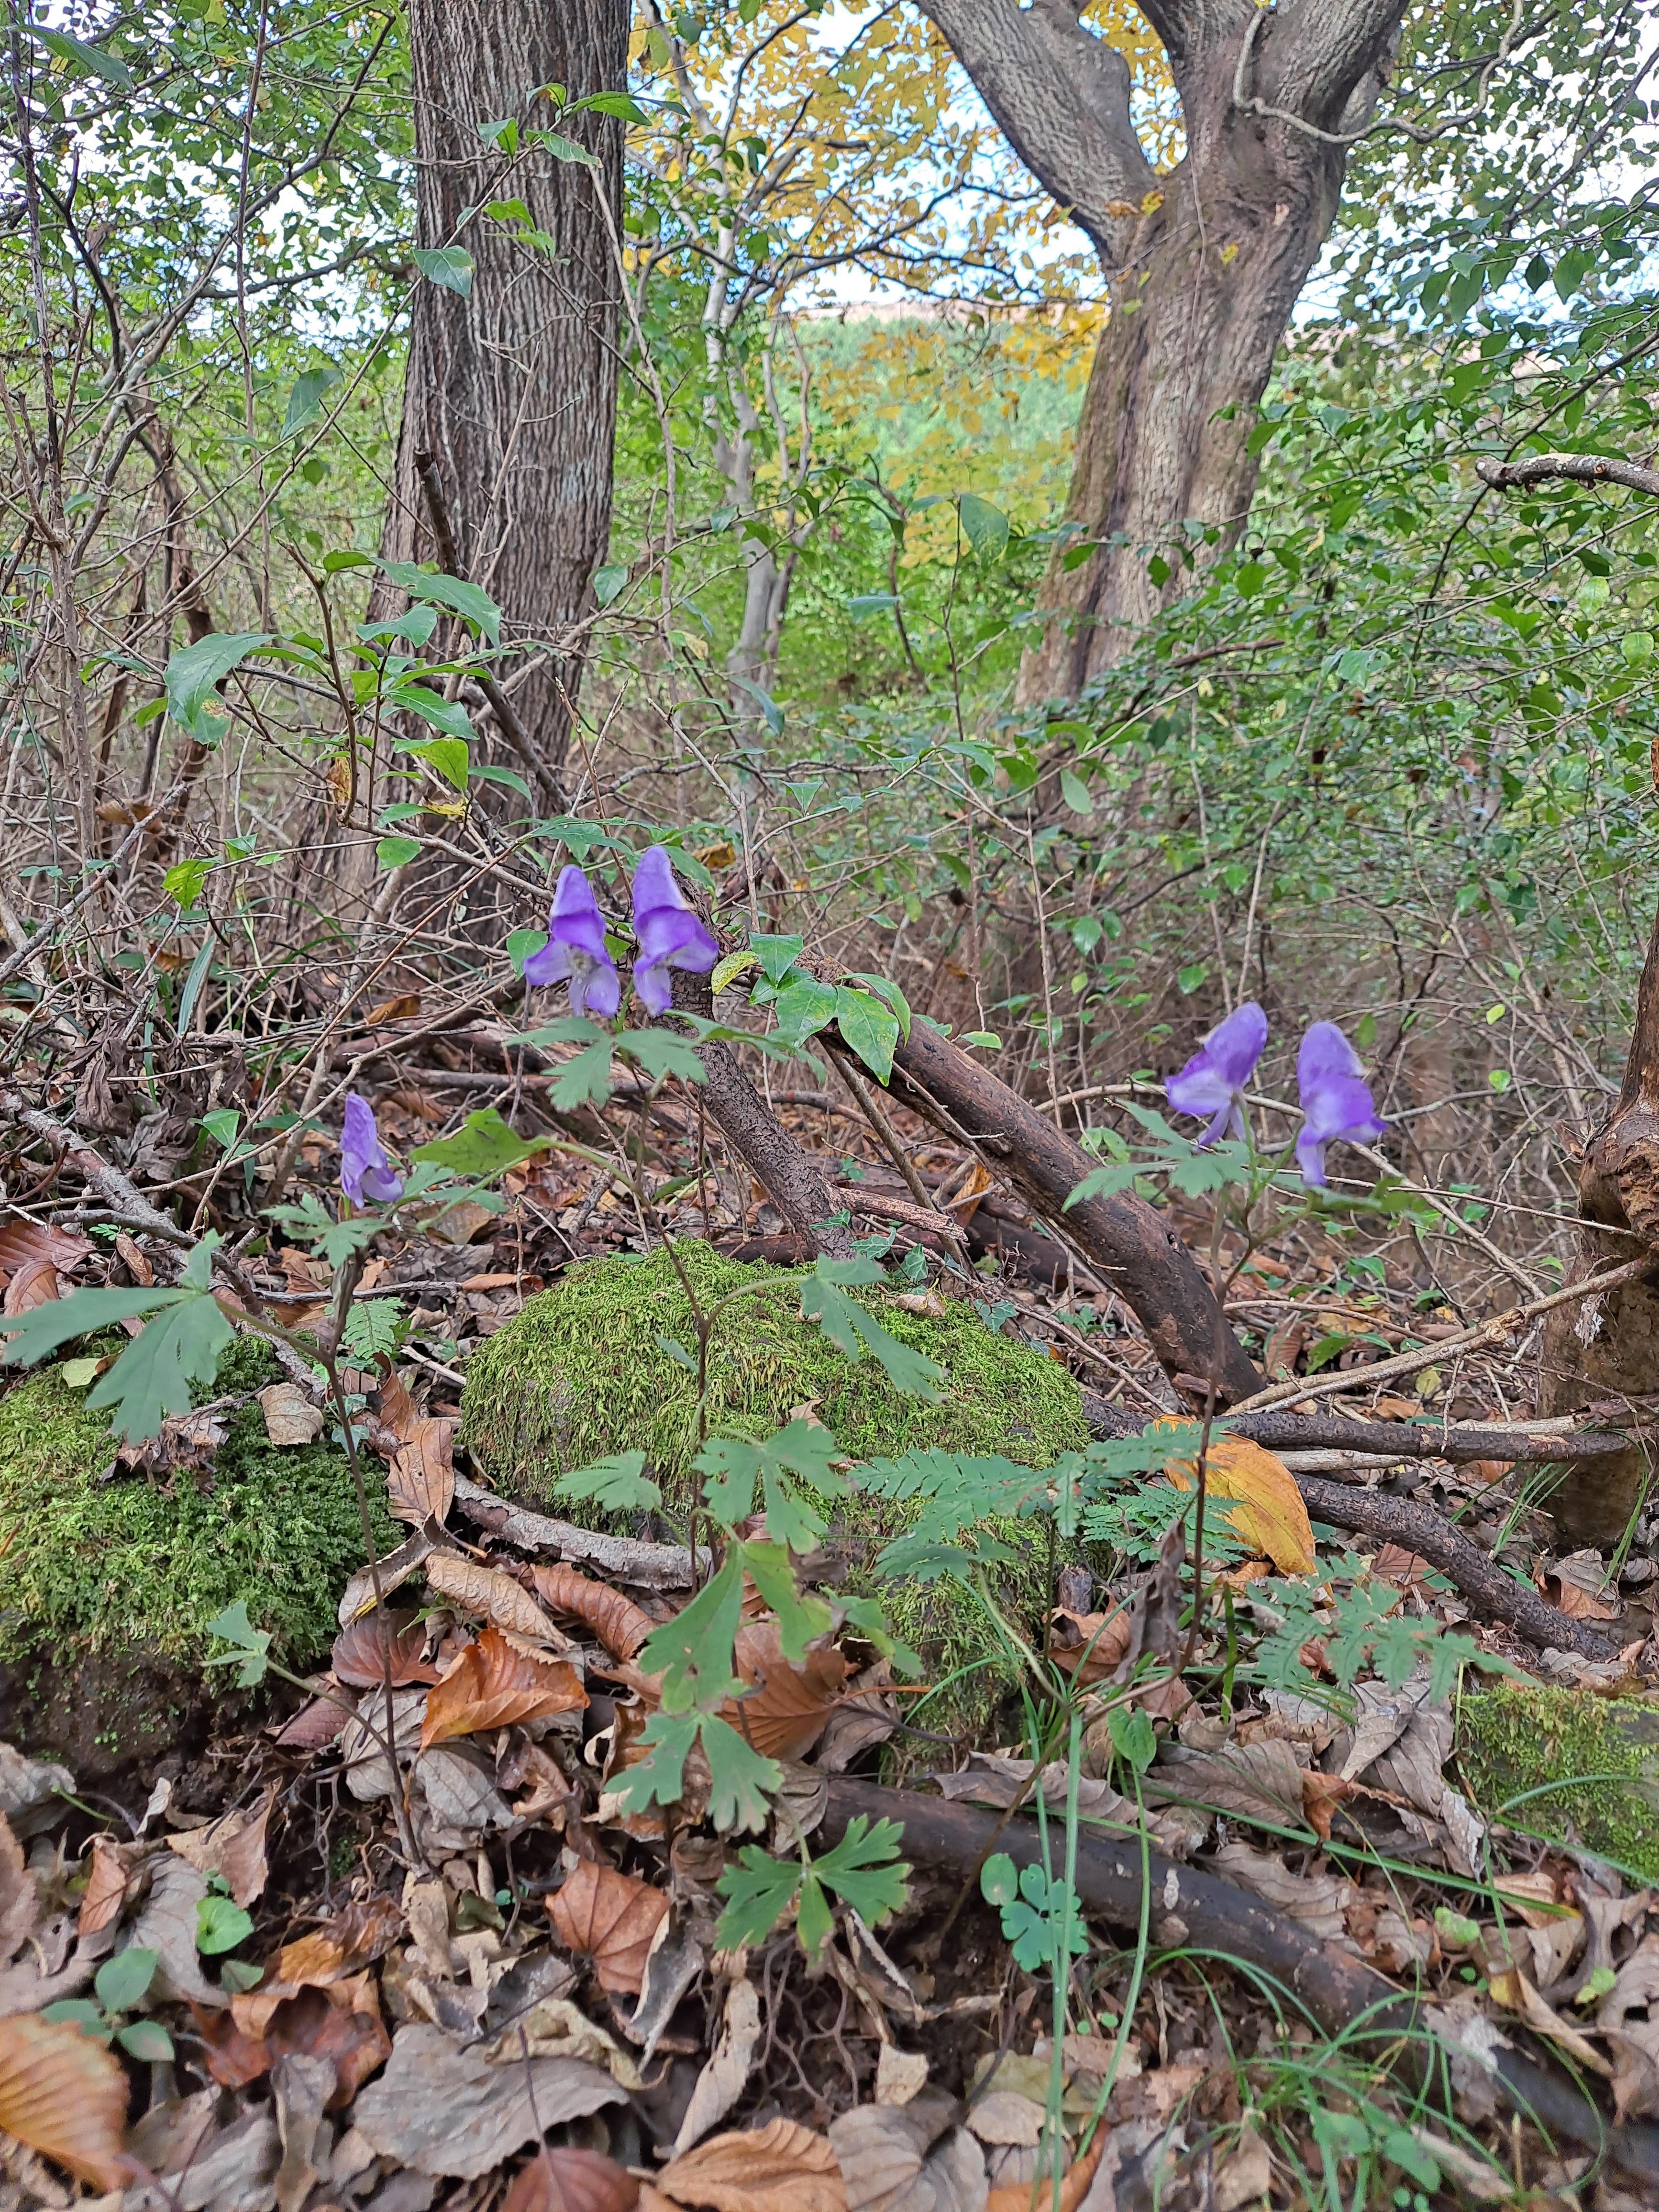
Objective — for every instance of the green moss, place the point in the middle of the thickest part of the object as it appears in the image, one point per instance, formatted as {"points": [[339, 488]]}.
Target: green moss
{"points": [[581, 1372], [88, 1567], [1598, 1756]]}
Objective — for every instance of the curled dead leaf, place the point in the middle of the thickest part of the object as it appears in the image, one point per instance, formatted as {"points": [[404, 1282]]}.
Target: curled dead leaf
{"points": [[494, 1596], [1257, 1498], [611, 1916], [620, 1625], [784, 1714], [782, 2168], [341, 2023], [358, 1656], [290, 1417], [24, 1242], [232, 1847], [1090, 1646], [492, 1684], [1033, 2195], [33, 1284], [354, 1939], [564, 2179], [64, 2095]]}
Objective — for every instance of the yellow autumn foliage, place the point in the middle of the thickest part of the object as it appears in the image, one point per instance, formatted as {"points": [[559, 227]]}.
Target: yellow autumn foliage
{"points": [[1259, 1498]]}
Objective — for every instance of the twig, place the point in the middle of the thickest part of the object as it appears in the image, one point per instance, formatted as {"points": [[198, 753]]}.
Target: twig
{"points": [[1577, 468], [651, 1566]]}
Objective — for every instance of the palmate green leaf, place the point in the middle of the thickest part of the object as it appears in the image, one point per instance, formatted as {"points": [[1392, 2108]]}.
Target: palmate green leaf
{"points": [[758, 1891], [693, 1651], [863, 1871], [660, 1053], [853, 1331], [732, 1467], [179, 1346], [740, 1778], [618, 1485], [250, 1646], [801, 1615], [31, 1336], [585, 1081], [481, 1147]]}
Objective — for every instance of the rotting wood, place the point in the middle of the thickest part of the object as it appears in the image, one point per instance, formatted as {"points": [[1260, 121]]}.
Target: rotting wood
{"points": [[648, 1566], [1193, 1910], [1458, 1441]]}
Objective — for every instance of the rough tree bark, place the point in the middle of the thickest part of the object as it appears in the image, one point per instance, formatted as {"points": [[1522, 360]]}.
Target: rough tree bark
{"points": [[1203, 265], [512, 390]]}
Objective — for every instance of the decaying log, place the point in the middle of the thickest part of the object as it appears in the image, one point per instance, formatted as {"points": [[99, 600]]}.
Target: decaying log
{"points": [[1192, 1908], [1127, 1243], [1456, 1441]]}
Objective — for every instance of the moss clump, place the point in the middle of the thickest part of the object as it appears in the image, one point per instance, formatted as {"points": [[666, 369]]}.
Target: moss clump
{"points": [[1599, 1756], [89, 1568], [580, 1373]]}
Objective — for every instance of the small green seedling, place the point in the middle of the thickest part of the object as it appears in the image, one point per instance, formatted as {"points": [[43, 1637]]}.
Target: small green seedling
{"points": [[122, 1985], [1032, 1909]]}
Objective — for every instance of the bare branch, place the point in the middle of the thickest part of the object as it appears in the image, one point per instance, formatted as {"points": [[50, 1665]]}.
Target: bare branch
{"points": [[1576, 468]]}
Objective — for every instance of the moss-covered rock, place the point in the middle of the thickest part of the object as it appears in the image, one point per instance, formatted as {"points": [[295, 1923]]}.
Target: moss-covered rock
{"points": [[105, 1587], [581, 1372], [1566, 1765]]}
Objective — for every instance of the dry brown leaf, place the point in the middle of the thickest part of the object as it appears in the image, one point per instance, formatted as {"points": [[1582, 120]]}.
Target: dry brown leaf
{"points": [[491, 1685], [782, 2168], [232, 1847], [290, 1417], [390, 1573], [135, 1259], [341, 2023], [1578, 1586], [620, 1625], [108, 1877], [488, 1592], [1395, 1564], [354, 1939], [65, 2096], [563, 2179], [420, 1477], [20, 1901], [402, 1009], [611, 1916], [441, 2107], [34, 1284], [1033, 2196], [784, 1715], [1262, 1504], [24, 1242], [1089, 1646], [1512, 1988], [359, 1656]]}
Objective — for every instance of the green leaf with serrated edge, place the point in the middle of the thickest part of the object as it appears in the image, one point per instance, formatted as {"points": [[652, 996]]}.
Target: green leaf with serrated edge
{"points": [[121, 1982], [864, 1615], [868, 1028], [658, 1777], [693, 1651], [584, 1080], [30, 1336], [481, 1147], [758, 1891], [450, 266], [221, 1925], [848, 1327], [374, 1330], [739, 1776], [618, 1484], [470, 601], [732, 1466], [865, 1870], [570, 1028], [801, 1616], [152, 1378], [777, 955], [659, 1054], [984, 526], [195, 670], [814, 1922], [250, 1645], [147, 2041]]}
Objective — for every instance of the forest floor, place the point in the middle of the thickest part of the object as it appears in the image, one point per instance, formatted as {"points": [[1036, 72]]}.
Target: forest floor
{"points": [[382, 1990]]}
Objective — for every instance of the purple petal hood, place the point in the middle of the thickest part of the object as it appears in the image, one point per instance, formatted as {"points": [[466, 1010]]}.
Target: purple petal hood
{"points": [[365, 1171], [1213, 1081], [1336, 1102], [575, 948], [670, 935]]}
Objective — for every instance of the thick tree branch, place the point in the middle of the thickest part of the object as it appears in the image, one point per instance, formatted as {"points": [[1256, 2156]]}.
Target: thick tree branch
{"points": [[1061, 97], [1312, 56], [1576, 468]]}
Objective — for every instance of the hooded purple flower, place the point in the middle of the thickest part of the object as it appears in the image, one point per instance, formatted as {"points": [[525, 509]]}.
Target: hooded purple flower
{"points": [[365, 1171], [1336, 1100], [670, 935], [575, 948], [1213, 1081]]}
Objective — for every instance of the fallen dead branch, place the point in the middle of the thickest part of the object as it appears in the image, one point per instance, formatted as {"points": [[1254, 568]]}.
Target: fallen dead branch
{"points": [[1191, 1910], [648, 1566], [1542, 1441]]}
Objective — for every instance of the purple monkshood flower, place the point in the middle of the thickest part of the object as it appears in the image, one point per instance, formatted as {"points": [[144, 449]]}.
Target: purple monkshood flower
{"points": [[574, 950], [1336, 1101], [670, 935], [1213, 1081], [365, 1171]]}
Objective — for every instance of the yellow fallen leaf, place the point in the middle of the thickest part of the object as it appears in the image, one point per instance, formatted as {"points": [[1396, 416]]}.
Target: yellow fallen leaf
{"points": [[1263, 1504]]}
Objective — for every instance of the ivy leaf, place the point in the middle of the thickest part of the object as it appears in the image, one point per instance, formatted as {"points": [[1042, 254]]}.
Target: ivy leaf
{"points": [[852, 1330], [618, 1485], [481, 1147], [732, 1466], [777, 955], [805, 1005], [448, 265], [868, 1028], [693, 1651]]}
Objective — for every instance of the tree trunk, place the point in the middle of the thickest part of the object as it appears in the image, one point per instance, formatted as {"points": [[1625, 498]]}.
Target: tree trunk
{"points": [[1204, 266], [512, 390], [1609, 1346]]}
